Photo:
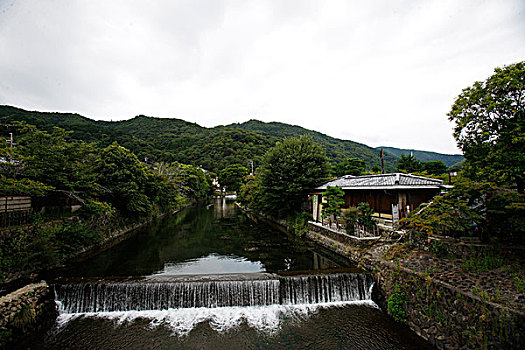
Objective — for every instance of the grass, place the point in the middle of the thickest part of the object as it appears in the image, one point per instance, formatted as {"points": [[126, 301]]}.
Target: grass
{"points": [[398, 251], [519, 283], [484, 262]]}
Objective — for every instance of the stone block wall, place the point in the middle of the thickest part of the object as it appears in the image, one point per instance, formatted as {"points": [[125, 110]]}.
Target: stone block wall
{"points": [[447, 317], [25, 312], [442, 314]]}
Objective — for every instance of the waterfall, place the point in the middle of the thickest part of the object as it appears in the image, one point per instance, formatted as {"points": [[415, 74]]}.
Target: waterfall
{"points": [[127, 296], [106, 296], [316, 289]]}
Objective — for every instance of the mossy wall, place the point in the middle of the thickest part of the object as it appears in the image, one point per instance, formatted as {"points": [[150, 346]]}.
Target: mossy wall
{"points": [[444, 315], [26, 312]]}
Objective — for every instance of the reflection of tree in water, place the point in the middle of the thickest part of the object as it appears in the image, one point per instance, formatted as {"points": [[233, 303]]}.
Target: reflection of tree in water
{"points": [[198, 232]]}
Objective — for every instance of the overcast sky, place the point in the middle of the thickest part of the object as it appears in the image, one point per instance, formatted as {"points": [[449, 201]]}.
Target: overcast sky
{"points": [[376, 72]]}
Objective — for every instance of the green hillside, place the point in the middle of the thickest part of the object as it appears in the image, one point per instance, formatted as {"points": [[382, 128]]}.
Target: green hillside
{"points": [[425, 156], [336, 149], [163, 139]]}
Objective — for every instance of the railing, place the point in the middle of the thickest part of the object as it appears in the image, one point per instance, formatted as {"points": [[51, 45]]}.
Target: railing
{"points": [[360, 231]]}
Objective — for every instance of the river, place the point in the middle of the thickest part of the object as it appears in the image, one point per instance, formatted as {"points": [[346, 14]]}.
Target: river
{"points": [[210, 278]]}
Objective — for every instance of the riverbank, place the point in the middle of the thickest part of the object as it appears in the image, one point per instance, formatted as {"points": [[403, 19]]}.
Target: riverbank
{"points": [[440, 302], [436, 297], [31, 309], [31, 249]]}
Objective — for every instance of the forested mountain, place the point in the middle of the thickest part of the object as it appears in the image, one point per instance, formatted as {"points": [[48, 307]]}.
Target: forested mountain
{"points": [[425, 156], [337, 150], [163, 139]]}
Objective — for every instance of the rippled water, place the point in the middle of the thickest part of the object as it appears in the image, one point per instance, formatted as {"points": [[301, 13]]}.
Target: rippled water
{"points": [[332, 326]]}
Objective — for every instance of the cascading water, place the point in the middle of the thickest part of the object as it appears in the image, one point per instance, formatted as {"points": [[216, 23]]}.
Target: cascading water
{"points": [[138, 296], [181, 304], [152, 295]]}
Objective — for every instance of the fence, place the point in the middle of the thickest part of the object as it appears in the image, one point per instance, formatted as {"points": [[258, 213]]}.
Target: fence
{"points": [[15, 210], [362, 231]]}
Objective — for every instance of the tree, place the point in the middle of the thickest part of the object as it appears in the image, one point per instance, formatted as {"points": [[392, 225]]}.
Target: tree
{"points": [[365, 215], [231, 177], [435, 167], [334, 201], [53, 159], [350, 166], [472, 208], [489, 127], [408, 164], [376, 169], [289, 170], [124, 180], [192, 181]]}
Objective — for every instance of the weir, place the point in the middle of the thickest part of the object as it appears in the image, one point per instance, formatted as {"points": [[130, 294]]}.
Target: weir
{"points": [[211, 292]]}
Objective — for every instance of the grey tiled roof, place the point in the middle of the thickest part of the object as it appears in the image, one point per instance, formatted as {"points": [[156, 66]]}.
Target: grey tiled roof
{"points": [[394, 180]]}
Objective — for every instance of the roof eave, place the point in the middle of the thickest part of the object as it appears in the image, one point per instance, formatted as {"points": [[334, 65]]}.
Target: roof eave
{"points": [[396, 187]]}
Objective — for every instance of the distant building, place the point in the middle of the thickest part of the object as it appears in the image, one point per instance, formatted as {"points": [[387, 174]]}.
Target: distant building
{"points": [[391, 196]]}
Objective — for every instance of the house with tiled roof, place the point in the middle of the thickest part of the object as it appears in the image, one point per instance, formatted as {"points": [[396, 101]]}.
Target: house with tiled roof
{"points": [[391, 196]]}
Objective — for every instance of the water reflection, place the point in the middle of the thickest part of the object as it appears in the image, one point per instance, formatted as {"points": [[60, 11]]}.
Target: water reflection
{"points": [[206, 239], [224, 208], [212, 264]]}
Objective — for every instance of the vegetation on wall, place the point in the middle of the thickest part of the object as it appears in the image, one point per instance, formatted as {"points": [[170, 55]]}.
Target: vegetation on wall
{"points": [[395, 304]]}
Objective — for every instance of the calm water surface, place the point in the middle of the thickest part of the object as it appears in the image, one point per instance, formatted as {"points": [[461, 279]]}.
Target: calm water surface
{"points": [[217, 239]]}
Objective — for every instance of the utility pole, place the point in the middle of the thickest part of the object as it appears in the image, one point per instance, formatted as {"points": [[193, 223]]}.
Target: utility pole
{"points": [[382, 161], [251, 162]]}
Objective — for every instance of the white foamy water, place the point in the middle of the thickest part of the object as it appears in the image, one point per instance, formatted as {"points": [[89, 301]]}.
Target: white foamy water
{"points": [[266, 319]]}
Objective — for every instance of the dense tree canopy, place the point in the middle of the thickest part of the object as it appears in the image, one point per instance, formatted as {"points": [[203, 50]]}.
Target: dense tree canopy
{"points": [[489, 122], [289, 170], [350, 166], [409, 164], [123, 179], [231, 177], [435, 167]]}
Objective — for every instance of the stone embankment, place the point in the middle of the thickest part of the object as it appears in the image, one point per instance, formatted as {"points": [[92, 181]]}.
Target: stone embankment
{"points": [[26, 312], [447, 307]]}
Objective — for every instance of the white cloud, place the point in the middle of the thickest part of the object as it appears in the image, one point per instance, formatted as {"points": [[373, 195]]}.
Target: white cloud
{"points": [[377, 72]]}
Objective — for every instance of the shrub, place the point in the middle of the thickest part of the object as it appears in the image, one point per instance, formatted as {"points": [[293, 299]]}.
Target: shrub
{"points": [[299, 223], [365, 215], [95, 208], [350, 219], [395, 304]]}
